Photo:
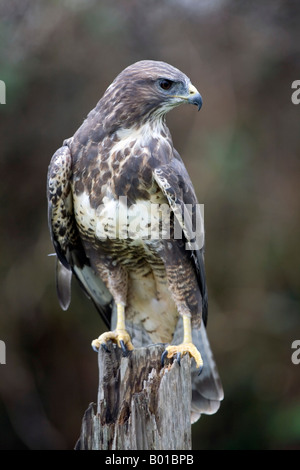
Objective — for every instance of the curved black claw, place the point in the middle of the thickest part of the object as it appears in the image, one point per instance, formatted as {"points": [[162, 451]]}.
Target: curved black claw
{"points": [[124, 349], [178, 357], [163, 357], [95, 349], [104, 346], [200, 370]]}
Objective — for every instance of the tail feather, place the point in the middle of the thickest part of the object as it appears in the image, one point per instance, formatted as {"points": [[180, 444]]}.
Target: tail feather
{"points": [[207, 390]]}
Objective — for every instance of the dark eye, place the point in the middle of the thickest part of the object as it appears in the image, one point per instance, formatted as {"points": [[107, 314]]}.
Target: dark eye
{"points": [[165, 84]]}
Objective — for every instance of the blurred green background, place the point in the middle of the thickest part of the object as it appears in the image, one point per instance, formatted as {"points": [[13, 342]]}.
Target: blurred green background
{"points": [[243, 154]]}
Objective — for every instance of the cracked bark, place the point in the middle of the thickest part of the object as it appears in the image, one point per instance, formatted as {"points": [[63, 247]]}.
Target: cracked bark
{"points": [[141, 405]]}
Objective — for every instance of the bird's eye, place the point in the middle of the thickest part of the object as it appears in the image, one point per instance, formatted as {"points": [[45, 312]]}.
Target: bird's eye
{"points": [[165, 84]]}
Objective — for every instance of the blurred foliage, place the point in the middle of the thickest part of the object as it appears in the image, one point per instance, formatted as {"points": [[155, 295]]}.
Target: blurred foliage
{"points": [[242, 152]]}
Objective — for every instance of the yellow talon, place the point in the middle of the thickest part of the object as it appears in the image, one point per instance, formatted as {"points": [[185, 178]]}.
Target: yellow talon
{"points": [[185, 348], [118, 336]]}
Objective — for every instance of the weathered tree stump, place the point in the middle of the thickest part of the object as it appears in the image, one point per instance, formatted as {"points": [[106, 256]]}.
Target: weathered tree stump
{"points": [[141, 405]]}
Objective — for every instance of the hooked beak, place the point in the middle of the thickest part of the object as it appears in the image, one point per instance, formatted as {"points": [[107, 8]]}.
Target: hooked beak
{"points": [[194, 97]]}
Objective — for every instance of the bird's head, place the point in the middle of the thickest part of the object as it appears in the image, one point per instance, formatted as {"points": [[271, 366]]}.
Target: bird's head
{"points": [[148, 90]]}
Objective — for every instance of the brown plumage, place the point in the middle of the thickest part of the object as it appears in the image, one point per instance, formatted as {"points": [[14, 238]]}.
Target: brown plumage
{"points": [[122, 161]]}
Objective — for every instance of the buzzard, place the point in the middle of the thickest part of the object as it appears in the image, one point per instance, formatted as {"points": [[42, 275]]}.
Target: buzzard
{"points": [[147, 282]]}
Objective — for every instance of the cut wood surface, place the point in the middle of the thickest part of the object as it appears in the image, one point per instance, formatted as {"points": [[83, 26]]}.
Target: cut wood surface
{"points": [[141, 405]]}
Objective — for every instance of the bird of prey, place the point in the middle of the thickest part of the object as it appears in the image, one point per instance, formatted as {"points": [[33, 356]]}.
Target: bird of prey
{"points": [[147, 282]]}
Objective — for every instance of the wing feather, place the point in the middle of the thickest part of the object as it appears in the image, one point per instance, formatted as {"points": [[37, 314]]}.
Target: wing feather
{"points": [[63, 285], [176, 185], [66, 239]]}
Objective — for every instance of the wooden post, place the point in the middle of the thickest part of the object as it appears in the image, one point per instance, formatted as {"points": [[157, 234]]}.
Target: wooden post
{"points": [[141, 405]]}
